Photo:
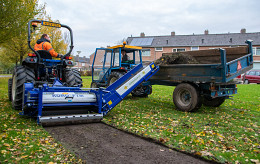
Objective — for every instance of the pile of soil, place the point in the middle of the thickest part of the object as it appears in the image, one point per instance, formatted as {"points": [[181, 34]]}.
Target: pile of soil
{"points": [[176, 58]]}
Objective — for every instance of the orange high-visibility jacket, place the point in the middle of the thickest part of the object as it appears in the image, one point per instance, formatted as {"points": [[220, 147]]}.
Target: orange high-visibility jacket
{"points": [[43, 44]]}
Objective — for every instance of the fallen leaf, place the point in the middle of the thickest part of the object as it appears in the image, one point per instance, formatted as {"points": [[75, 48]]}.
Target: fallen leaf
{"points": [[256, 161]]}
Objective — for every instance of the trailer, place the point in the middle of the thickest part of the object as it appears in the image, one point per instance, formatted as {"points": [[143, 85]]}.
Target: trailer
{"points": [[208, 83]]}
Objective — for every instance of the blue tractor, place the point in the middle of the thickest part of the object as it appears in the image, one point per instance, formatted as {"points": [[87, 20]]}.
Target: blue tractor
{"points": [[109, 64], [39, 68]]}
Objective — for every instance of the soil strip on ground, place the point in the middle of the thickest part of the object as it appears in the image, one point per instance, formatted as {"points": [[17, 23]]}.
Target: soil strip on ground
{"points": [[100, 143]]}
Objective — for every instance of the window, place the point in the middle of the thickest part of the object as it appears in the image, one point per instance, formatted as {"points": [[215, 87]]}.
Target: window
{"points": [[194, 48], [256, 50], [146, 52], [158, 49], [178, 49], [83, 64], [251, 73]]}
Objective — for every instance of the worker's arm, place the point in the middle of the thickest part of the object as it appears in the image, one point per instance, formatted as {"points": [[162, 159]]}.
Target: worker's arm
{"points": [[47, 46]]}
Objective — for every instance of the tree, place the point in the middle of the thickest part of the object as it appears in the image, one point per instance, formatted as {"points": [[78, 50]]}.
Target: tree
{"points": [[13, 33], [14, 15]]}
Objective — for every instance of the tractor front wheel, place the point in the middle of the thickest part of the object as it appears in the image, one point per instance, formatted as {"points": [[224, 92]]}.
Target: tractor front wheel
{"points": [[94, 85], [21, 75], [114, 76]]}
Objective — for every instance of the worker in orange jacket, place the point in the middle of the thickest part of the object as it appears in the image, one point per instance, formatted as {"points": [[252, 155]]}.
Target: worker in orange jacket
{"points": [[44, 43]]}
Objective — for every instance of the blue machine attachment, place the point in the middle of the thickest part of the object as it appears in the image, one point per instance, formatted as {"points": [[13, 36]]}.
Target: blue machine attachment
{"points": [[57, 104]]}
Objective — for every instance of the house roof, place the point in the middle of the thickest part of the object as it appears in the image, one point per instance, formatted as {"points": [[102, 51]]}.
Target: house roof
{"points": [[229, 39]]}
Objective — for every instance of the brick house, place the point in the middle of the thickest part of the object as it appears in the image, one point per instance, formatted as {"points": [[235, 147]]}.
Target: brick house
{"points": [[154, 46], [81, 63]]}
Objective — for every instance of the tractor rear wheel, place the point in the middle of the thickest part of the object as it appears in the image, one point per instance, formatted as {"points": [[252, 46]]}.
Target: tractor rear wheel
{"points": [[70, 78], [213, 102], [186, 98], [142, 91], [78, 78], [10, 81], [21, 75], [114, 76]]}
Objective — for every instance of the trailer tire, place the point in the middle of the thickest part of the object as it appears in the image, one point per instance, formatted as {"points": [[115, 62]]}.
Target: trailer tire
{"points": [[142, 91], [10, 81], [21, 75], [78, 78], [114, 76], [213, 102], [187, 98], [70, 78], [246, 82]]}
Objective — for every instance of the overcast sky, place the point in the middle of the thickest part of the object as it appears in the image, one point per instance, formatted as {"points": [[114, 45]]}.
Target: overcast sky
{"points": [[99, 23]]}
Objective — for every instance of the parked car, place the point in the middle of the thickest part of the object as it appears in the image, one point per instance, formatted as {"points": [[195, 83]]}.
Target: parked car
{"points": [[239, 79], [252, 76]]}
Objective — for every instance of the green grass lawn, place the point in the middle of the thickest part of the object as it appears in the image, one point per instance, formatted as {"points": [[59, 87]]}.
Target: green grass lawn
{"points": [[229, 133]]}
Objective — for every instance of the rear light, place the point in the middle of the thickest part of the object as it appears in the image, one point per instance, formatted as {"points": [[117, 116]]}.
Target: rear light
{"points": [[216, 94], [32, 55], [68, 57]]}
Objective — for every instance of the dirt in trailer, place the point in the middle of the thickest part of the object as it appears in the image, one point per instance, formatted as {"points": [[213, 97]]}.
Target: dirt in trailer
{"points": [[176, 58], [100, 143]]}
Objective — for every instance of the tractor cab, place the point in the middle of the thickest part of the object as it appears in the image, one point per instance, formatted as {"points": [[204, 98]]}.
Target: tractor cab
{"points": [[110, 64], [114, 60]]}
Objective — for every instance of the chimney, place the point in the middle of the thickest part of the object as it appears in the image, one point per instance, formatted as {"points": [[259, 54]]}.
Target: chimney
{"points": [[206, 32], [243, 31], [173, 33], [142, 34]]}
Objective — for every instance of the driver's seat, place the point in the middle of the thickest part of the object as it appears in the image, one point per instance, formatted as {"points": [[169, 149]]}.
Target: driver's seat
{"points": [[44, 54]]}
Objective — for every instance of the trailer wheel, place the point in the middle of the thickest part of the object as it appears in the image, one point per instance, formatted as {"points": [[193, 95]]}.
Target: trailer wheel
{"points": [[10, 81], [186, 98], [78, 78], [246, 82], [213, 102], [70, 78], [142, 91], [114, 76], [21, 75]]}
